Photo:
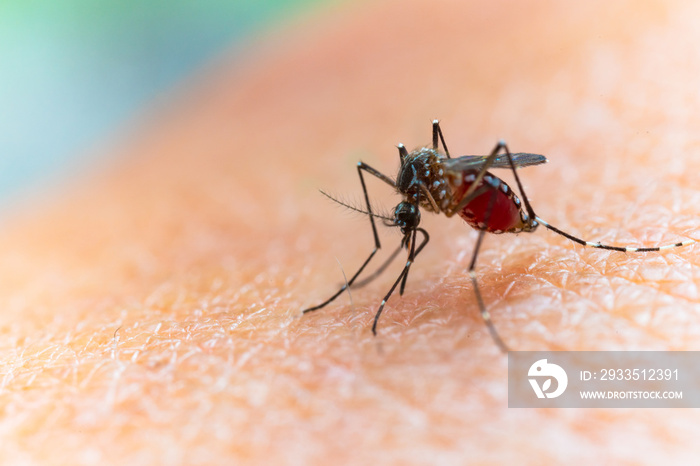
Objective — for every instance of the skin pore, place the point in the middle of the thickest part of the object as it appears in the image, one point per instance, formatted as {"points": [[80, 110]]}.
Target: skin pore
{"points": [[152, 311]]}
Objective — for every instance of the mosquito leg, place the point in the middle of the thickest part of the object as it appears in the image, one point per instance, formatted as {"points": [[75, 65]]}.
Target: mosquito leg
{"points": [[526, 201], [380, 270], [403, 283], [485, 315], [474, 188], [383, 267], [411, 257], [482, 308], [412, 239], [403, 152], [614, 248], [467, 199], [437, 132], [534, 218], [361, 166], [426, 192], [420, 248]]}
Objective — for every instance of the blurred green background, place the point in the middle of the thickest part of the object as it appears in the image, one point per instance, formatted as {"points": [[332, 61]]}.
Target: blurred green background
{"points": [[71, 71]]}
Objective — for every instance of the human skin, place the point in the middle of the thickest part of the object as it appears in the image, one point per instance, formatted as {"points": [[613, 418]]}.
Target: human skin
{"points": [[152, 311]]}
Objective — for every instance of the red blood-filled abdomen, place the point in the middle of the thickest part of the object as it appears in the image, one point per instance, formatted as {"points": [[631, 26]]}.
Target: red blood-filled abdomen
{"points": [[502, 214]]}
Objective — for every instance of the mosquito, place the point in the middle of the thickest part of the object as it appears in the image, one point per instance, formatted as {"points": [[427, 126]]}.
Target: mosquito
{"points": [[432, 180]]}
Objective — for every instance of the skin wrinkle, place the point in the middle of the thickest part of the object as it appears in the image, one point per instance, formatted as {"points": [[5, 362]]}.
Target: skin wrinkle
{"points": [[207, 238]]}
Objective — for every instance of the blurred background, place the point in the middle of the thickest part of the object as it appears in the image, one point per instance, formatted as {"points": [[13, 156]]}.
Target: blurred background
{"points": [[73, 71]]}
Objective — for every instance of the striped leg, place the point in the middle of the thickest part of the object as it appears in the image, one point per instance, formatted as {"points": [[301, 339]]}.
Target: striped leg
{"points": [[599, 245], [534, 218]]}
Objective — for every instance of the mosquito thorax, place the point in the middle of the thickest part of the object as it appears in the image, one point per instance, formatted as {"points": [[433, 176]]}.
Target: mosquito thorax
{"points": [[407, 216], [423, 167], [416, 168]]}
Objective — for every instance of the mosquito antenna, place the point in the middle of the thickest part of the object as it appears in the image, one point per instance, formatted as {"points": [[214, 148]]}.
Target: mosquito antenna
{"points": [[613, 248], [356, 209]]}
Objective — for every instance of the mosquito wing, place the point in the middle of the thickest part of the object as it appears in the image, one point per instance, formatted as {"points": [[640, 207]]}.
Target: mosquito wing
{"points": [[472, 162]]}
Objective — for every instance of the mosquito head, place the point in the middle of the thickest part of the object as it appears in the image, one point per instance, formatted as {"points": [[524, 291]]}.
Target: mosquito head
{"points": [[407, 217]]}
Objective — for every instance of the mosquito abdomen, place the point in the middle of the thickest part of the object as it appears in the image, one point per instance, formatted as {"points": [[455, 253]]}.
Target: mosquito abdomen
{"points": [[498, 210]]}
